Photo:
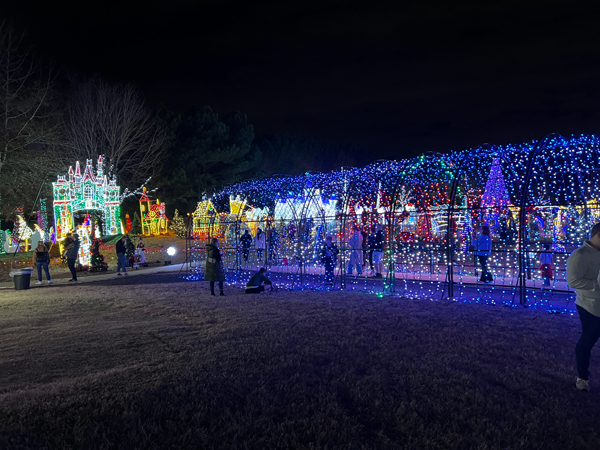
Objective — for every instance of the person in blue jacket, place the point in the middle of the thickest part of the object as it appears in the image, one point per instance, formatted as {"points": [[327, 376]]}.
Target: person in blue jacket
{"points": [[483, 248]]}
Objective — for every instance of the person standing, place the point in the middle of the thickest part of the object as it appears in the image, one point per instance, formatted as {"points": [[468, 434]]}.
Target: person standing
{"points": [[329, 252], [356, 253], [246, 241], [483, 247], [371, 241], [583, 270], [546, 264], [255, 284], [378, 252], [41, 258], [71, 253], [121, 250], [260, 244], [214, 267]]}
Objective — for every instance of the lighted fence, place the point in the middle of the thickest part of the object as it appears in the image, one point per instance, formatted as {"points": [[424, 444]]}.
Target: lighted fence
{"points": [[431, 210]]}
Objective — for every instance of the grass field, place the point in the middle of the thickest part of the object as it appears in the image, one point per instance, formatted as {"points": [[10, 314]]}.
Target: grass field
{"points": [[155, 363]]}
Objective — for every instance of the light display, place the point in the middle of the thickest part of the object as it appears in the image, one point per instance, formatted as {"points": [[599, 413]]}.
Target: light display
{"points": [[178, 225], [432, 209], [86, 193], [154, 221]]}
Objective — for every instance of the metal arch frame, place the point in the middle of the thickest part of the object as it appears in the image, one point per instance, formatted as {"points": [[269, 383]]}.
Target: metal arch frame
{"points": [[489, 150], [541, 145], [529, 158], [400, 181]]}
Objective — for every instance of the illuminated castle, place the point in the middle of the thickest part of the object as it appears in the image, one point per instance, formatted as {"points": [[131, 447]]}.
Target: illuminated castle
{"points": [[87, 192]]}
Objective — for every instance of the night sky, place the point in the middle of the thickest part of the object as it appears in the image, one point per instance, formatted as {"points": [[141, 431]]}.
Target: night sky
{"points": [[395, 79]]}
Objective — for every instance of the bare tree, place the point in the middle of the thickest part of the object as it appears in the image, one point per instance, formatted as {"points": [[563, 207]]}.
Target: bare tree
{"points": [[27, 120], [112, 120]]}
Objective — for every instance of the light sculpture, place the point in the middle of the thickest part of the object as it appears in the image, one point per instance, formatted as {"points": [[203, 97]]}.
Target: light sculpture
{"points": [[77, 193], [431, 210], [154, 221]]}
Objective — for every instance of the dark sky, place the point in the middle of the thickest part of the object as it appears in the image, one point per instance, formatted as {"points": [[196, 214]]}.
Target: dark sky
{"points": [[395, 78]]}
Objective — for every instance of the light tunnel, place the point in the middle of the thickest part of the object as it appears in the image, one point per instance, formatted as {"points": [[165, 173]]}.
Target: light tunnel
{"points": [[537, 197]]}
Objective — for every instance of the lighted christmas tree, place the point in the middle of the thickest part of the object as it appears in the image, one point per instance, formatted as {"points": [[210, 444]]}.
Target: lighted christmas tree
{"points": [[178, 225], [97, 263], [495, 195]]}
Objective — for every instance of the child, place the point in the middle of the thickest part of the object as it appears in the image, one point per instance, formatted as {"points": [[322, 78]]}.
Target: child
{"points": [[546, 264]]}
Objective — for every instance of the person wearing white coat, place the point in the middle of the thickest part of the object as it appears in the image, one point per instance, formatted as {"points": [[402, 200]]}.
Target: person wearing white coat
{"points": [[260, 244]]}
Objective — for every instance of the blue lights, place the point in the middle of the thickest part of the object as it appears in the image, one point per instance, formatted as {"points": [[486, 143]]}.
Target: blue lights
{"points": [[431, 210]]}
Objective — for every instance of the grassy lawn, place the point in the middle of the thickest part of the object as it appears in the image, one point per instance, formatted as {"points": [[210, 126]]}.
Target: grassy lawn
{"points": [[153, 363]]}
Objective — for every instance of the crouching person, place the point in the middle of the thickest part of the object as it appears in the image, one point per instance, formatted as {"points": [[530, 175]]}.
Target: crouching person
{"points": [[255, 284]]}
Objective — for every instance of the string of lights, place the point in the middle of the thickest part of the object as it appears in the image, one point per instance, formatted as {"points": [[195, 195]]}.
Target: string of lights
{"points": [[431, 211]]}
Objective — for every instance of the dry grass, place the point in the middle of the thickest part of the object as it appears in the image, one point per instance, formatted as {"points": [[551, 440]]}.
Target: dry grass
{"points": [[116, 364]]}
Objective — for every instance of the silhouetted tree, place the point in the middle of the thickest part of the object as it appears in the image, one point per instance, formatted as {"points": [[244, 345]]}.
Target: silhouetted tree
{"points": [[209, 153]]}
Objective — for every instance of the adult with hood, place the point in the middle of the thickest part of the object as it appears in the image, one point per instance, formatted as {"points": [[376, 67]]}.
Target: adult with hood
{"points": [[71, 253], [41, 258], [483, 248], [214, 267]]}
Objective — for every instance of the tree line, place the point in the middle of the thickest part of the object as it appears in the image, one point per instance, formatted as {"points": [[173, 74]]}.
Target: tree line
{"points": [[49, 119]]}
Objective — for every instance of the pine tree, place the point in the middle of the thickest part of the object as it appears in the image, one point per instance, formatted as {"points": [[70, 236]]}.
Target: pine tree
{"points": [[136, 227], [178, 225]]}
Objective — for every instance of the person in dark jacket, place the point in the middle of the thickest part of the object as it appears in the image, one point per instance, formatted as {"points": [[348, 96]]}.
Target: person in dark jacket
{"points": [[378, 247], [71, 253], [255, 284], [41, 258], [121, 250], [246, 241], [329, 252], [214, 267]]}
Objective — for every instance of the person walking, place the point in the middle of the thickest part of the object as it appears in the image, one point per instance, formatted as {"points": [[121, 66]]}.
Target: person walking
{"points": [[329, 252], [71, 253], [214, 267], [546, 264], [356, 253], [246, 242], [483, 248], [121, 261], [583, 267], [255, 284], [41, 258]]}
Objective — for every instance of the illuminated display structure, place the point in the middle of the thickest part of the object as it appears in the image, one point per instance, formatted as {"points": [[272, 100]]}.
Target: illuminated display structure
{"points": [[154, 220], [88, 192], [431, 209]]}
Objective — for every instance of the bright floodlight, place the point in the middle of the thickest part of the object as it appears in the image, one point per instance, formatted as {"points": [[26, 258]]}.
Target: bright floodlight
{"points": [[171, 251]]}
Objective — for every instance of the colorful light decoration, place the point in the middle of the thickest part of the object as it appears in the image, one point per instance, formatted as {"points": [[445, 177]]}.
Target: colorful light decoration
{"points": [[154, 221], [431, 209], [87, 192]]}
